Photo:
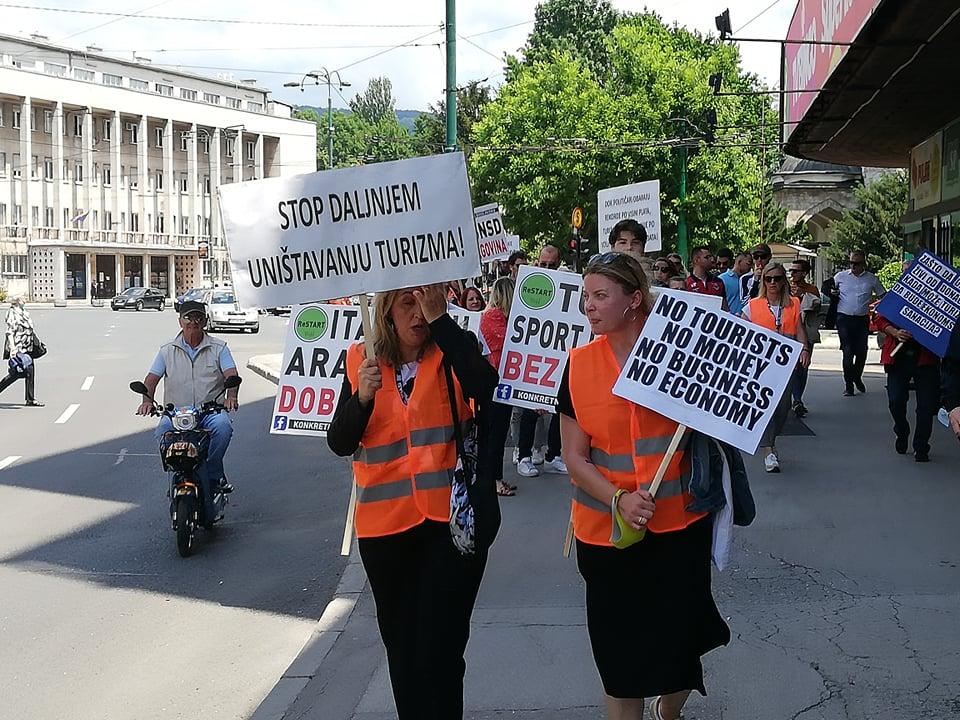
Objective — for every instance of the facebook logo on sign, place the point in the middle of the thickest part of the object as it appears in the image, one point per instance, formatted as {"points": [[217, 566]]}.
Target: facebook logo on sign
{"points": [[280, 422], [503, 391]]}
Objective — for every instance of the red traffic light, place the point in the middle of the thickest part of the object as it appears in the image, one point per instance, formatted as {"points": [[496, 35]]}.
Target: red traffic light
{"points": [[572, 244]]}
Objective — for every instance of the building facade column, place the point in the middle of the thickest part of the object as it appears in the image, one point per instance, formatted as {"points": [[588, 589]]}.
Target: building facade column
{"points": [[59, 196], [237, 156], [146, 271], [118, 273], [89, 276], [258, 173], [59, 275], [172, 276], [88, 169], [215, 177], [193, 204], [145, 196], [26, 166], [117, 181]]}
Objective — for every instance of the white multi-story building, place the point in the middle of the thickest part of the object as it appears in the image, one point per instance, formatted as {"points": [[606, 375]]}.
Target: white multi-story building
{"points": [[109, 169]]}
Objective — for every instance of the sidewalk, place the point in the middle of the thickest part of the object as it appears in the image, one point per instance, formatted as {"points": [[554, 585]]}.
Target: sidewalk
{"points": [[843, 597]]}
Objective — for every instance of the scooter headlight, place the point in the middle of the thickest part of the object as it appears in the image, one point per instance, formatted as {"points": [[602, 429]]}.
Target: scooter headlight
{"points": [[184, 421]]}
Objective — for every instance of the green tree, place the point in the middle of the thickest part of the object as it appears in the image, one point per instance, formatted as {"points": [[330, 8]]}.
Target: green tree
{"points": [[874, 226], [376, 103], [559, 131], [577, 27], [430, 133]]}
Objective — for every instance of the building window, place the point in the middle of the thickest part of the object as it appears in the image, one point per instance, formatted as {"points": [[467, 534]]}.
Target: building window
{"points": [[48, 171], [206, 226], [16, 165], [188, 94], [35, 216], [251, 149], [15, 119], [48, 217], [164, 89], [108, 220], [158, 224], [206, 268], [158, 180], [112, 80], [81, 74], [14, 265], [211, 98], [95, 175], [48, 122], [78, 172], [206, 184], [3, 167], [184, 183], [134, 178], [3, 213], [78, 125], [66, 217], [205, 144], [35, 167], [141, 85], [107, 176], [18, 214], [1, 114], [158, 133], [66, 171], [107, 129], [134, 222], [229, 151], [184, 225], [234, 103], [184, 141], [54, 69], [134, 130], [254, 106], [94, 221]]}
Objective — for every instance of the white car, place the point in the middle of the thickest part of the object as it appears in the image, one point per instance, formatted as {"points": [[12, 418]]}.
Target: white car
{"points": [[223, 312]]}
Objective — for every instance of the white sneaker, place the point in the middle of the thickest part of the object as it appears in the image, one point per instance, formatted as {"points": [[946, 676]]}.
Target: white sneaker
{"points": [[771, 463], [516, 456], [538, 456], [557, 465], [526, 468]]}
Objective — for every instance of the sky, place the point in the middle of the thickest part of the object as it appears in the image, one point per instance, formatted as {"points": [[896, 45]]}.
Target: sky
{"points": [[279, 41]]}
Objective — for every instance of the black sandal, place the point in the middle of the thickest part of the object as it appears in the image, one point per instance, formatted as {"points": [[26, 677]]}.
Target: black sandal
{"points": [[505, 490]]}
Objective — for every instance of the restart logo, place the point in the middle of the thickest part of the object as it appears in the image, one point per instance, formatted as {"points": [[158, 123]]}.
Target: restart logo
{"points": [[311, 324], [537, 291]]}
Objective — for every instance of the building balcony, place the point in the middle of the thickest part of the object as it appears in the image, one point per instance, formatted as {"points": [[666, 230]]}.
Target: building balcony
{"points": [[121, 239]]}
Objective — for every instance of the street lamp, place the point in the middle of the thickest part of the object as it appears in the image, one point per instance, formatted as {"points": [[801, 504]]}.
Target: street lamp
{"points": [[324, 76]]}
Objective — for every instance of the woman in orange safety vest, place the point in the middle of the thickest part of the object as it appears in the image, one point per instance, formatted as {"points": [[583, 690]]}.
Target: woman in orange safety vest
{"points": [[650, 611], [777, 310], [394, 417]]}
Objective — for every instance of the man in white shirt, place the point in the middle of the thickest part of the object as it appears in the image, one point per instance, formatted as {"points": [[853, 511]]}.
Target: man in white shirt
{"points": [[856, 288]]}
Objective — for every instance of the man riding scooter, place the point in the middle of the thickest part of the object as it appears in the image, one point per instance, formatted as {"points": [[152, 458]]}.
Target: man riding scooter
{"points": [[193, 367]]}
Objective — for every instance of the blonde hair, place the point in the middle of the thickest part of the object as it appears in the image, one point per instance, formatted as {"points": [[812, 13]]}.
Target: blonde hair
{"points": [[784, 287], [386, 342], [626, 271], [501, 295]]}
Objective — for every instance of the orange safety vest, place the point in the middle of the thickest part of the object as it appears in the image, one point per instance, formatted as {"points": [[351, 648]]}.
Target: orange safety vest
{"points": [[627, 444], [761, 314], [408, 453]]}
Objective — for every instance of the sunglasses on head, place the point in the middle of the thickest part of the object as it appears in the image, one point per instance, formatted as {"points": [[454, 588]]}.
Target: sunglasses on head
{"points": [[774, 278], [609, 258]]}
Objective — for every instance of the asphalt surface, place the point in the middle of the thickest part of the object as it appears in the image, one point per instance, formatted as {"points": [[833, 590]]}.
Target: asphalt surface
{"points": [[99, 616]]}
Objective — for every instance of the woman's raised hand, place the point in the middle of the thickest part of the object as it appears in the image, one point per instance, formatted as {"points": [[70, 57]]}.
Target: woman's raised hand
{"points": [[433, 301]]}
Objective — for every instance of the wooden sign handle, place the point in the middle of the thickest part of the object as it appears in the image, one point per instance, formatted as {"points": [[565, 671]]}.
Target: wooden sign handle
{"points": [[654, 486], [352, 505], [900, 344]]}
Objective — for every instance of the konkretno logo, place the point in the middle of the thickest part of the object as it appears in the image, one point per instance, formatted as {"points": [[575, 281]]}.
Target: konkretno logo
{"points": [[311, 324], [537, 291]]}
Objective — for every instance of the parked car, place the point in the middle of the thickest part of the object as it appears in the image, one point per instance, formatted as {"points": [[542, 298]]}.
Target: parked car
{"points": [[138, 298], [224, 312], [279, 310], [192, 294]]}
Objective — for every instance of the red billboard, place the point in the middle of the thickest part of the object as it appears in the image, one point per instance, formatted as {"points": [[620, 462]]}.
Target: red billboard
{"points": [[807, 67]]}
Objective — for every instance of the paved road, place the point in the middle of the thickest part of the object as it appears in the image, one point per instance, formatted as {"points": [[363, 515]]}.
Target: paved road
{"points": [[99, 617]]}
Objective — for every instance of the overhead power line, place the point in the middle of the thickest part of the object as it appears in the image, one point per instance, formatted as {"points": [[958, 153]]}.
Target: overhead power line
{"points": [[479, 47], [220, 21], [757, 16]]}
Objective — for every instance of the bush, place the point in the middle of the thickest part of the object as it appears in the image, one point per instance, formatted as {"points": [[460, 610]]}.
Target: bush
{"points": [[890, 273], [3, 294]]}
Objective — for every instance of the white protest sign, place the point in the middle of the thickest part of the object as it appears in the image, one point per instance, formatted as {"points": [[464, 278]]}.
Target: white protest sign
{"points": [[469, 320], [491, 235], [350, 231], [546, 320], [314, 363], [712, 302], [637, 201], [709, 370]]}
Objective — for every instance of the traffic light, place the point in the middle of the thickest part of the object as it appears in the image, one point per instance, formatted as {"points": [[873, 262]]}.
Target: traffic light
{"points": [[710, 126], [716, 81], [574, 244], [723, 24]]}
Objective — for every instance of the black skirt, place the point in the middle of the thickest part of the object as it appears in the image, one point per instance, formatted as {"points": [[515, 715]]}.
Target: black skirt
{"points": [[651, 613]]}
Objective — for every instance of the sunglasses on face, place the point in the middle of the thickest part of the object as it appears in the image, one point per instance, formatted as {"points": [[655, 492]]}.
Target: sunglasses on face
{"points": [[774, 278], [663, 268], [760, 256]]}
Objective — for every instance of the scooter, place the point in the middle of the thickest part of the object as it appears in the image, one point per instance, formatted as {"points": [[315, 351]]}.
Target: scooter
{"points": [[182, 451]]}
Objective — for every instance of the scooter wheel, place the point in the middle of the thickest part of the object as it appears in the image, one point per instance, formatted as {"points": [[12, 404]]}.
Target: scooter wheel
{"points": [[185, 509]]}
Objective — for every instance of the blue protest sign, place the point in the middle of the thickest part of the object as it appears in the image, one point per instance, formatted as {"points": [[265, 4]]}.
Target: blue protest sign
{"points": [[925, 301]]}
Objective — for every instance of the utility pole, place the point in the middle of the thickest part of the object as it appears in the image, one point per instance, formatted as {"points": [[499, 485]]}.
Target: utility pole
{"points": [[329, 126], [327, 77], [451, 26], [682, 217]]}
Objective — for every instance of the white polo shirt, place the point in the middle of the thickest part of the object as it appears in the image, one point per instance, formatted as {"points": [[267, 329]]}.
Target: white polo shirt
{"points": [[856, 291]]}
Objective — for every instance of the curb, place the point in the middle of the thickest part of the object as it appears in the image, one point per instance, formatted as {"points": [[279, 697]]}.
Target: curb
{"points": [[329, 627]]}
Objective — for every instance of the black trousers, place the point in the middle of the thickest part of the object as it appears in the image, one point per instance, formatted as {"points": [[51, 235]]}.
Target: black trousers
{"points": [[528, 430], [424, 590], [927, 381], [853, 331], [499, 428], [28, 378]]}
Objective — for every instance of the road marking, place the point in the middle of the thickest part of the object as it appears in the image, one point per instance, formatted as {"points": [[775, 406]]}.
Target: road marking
{"points": [[87, 383], [123, 451], [9, 460], [67, 414]]}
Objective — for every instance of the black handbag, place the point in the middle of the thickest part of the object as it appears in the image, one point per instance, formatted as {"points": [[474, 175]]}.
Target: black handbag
{"points": [[37, 349], [474, 507]]}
